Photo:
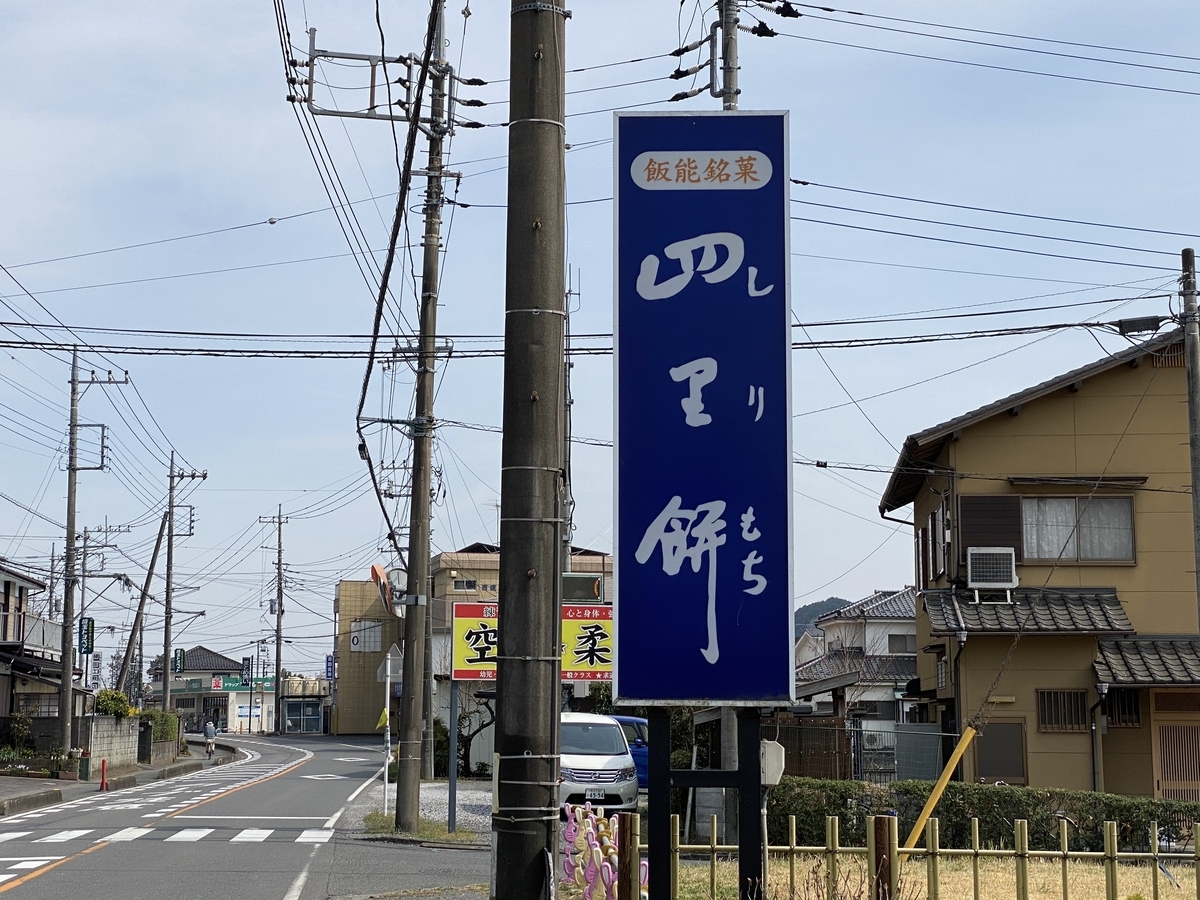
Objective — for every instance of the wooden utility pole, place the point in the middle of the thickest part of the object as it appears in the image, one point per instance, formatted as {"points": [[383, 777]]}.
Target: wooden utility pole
{"points": [[416, 701], [1191, 349], [525, 825]]}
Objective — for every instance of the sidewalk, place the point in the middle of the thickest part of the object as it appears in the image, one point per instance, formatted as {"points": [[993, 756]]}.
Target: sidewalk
{"points": [[23, 794]]}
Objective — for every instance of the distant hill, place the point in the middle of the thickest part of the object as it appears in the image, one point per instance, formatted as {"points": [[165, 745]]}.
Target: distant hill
{"points": [[810, 612]]}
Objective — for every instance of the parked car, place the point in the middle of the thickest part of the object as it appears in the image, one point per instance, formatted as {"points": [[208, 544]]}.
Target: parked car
{"points": [[637, 735], [596, 764]]}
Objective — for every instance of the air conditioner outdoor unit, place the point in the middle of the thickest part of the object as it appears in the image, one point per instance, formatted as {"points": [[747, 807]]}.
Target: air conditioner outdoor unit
{"points": [[991, 568]]}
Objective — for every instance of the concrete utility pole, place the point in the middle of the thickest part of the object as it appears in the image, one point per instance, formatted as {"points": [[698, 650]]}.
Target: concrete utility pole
{"points": [[415, 742], [173, 476], [278, 519], [525, 825], [729, 53], [136, 631], [1191, 349], [66, 688], [66, 691]]}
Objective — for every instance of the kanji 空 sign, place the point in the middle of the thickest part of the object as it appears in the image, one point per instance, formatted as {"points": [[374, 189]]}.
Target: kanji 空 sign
{"points": [[587, 642], [703, 451]]}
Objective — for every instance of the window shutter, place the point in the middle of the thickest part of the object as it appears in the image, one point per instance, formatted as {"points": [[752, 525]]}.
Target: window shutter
{"points": [[989, 520]]}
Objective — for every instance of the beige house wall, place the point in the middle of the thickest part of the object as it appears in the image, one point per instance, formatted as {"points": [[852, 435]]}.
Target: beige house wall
{"points": [[1038, 663], [1127, 756], [358, 695]]}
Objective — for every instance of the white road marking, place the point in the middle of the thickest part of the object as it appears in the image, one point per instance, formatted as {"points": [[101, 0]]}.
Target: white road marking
{"points": [[332, 820], [328, 776], [9, 835], [30, 864], [314, 836], [6, 877], [351, 759], [63, 836], [127, 834], [255, 818], [297, 888], [251, 836], [190, 834]]}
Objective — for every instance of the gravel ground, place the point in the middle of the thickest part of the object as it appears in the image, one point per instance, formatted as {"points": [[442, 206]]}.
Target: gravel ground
{"points": [[474, 806]]}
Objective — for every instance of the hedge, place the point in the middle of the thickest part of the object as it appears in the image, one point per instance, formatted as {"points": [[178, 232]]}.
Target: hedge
{"points": [[810, 800], [166, 724]]}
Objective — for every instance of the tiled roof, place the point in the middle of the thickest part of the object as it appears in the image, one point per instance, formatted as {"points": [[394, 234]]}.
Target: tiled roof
{"points": [[880, 605], [873, 668], [1030, 612], [920, 449], [1156, 661], [201, 659]]}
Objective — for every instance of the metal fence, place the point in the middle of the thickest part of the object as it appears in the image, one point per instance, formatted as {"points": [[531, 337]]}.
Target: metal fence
{"points": [[892, 872], [862, 749]]}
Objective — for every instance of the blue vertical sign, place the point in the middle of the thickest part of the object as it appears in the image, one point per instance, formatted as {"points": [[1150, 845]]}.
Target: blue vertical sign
{"points": [[329, 667], [703, 420]]}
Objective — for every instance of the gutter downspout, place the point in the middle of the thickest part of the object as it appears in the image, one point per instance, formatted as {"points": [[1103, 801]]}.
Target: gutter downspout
{"points": [[961, 637], [1101, 695]]}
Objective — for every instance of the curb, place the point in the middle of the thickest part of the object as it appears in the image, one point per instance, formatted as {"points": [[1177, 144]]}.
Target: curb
{"points": [[26, 802], [121, 782], [175, 770], [420, 842]]}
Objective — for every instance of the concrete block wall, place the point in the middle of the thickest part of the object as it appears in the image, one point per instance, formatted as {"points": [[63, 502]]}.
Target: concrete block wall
{"points": [[110, 738]]}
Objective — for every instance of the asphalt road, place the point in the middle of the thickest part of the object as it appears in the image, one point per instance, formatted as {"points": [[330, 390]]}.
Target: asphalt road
{"points": [[283, 823]]}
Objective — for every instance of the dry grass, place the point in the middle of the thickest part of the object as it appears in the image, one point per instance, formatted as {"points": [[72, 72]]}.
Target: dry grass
{"points": [[378, 822], [997, 880]]}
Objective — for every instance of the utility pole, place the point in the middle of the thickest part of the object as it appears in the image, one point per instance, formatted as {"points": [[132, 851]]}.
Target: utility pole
{"points": [[136, 631], [173, 476], [525, 823], [277, 520], [415, 742], [66, 688], [729, 54], [1191, 349]]}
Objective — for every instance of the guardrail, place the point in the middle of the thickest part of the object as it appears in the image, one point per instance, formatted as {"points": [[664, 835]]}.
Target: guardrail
{"points": [[886, 870]]}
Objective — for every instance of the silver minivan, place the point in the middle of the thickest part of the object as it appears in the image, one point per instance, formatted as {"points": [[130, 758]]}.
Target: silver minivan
{"points": [[596, 765]]}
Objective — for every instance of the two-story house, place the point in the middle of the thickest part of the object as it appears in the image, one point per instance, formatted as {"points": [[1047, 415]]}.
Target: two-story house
{"points": [[1054, 560], [869, 657]]}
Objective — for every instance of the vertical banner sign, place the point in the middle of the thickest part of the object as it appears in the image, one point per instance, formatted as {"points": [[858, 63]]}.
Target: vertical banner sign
{"points": [[703, 422], [247, 670], [329, 667], [178, 661], [87, 635], [97, 658]]}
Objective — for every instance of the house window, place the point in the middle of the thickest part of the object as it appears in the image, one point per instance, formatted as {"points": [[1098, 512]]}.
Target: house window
{"points": [[902, 643], [465, 584], [38, 705], [185, 702], [1075, 529], [365, 636], [1062, 711], [989, 520], [1000, 752], [1124, 708], [941, 672], [937, 539]]}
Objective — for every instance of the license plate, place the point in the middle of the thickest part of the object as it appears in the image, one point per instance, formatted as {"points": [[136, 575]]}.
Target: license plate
{"points": [[593, 794]]}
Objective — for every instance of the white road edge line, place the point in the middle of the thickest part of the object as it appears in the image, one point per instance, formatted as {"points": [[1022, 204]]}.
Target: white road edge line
{"points": [[293, 893], [329, 823]]}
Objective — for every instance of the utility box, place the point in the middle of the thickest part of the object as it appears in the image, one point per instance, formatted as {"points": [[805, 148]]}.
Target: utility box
{"points": [[770, 756]]}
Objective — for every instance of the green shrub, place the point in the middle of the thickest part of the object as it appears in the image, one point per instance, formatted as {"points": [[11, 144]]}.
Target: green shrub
{"points": [[111, 703], [996, 807], [166, 724]]}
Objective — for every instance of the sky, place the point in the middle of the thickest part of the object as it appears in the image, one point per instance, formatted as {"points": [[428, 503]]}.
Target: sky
{"points": [[959, 159]]}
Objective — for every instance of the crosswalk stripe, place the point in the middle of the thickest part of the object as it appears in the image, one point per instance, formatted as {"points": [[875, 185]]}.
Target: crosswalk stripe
{"points": [[128, 834], [251, 835], [29, 864], [314, 836], [63, 836], [10, 835], [190, 834], [6, 877]]}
